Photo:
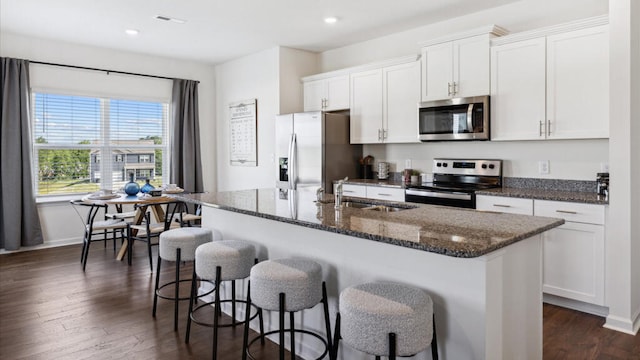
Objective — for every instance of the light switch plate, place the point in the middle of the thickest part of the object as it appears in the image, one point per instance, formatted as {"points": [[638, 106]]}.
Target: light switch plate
{"points": [[407, 164]]}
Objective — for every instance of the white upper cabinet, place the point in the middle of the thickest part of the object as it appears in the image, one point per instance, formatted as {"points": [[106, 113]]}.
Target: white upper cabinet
{"points": [[457, 68], [578, 84], [366, 107], [384, 104], [551, 87], [327, 94], [518, 90], [401, 86]]}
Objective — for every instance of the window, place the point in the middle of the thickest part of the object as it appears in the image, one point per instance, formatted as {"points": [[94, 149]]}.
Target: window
{"points": [[72, 134]]}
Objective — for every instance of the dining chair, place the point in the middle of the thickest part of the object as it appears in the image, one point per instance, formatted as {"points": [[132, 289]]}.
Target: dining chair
{"points": [[147, 231], [191, 219], [93, 227]]}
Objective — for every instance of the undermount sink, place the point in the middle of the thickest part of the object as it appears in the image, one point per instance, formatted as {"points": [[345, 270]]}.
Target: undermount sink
{"points": [[373, 207]]}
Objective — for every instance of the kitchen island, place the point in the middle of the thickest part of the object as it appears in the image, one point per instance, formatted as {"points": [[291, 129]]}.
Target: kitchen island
{"points": [[483, 270]]}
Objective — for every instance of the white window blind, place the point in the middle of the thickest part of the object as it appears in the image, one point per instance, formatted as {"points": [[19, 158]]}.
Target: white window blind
{"points": [[84, 143]]}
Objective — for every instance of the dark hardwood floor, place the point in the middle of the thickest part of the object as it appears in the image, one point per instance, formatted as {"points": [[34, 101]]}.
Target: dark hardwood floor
{"points": [[50, 309]]}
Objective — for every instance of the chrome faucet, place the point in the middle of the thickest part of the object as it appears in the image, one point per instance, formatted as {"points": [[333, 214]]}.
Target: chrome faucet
{"points": [[338, 193], [320, 194]]}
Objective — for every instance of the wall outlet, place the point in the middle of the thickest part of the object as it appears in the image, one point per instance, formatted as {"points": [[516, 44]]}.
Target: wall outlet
{"points": [[407, 164], [543, 167], [604, 167]]}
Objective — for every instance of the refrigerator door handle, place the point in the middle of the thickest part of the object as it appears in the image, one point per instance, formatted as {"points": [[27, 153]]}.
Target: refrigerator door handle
{"points": [[293, 162]]}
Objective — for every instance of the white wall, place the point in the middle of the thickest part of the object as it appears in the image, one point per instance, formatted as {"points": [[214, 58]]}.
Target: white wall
{"points": [[578, 159], [273, 78], [623, 227], [52, 215]]}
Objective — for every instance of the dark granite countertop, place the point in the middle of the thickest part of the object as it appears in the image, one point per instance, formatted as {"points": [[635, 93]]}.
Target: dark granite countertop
{"points": [[444, 230], [546, 194]]}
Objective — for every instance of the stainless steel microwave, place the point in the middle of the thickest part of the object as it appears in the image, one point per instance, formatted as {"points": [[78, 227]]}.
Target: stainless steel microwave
{"points": [[454, 119]]}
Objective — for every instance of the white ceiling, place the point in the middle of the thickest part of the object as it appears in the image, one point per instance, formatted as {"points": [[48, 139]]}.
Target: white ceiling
{"points": [[220, 30]]}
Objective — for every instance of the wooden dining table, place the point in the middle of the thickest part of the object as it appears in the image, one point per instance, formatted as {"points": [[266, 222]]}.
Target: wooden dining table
{"points": [[143, 202]]}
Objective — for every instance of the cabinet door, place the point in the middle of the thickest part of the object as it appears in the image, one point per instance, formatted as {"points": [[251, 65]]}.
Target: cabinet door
{"points": [[385, 193], [437, 71], [574, 262], [518, 90], [337, 93], [366, 107], [314, 94], [471, 64], [504, 204], [354, 190], [578, 84], [401, 84]]}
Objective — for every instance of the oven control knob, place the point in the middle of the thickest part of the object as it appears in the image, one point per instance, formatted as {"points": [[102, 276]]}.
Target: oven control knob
{"points": [[438, 164], [491, 166], [484, 166], [445, 164]]}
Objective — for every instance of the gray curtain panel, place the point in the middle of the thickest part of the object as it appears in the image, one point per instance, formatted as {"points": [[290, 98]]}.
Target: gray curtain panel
{"points": [[19, 222], [186, 163]]}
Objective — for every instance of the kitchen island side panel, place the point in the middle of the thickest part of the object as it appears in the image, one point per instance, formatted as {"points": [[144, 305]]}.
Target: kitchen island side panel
{"points": [[488, 307]]}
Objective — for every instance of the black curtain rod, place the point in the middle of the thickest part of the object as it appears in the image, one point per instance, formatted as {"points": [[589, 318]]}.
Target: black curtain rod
{"points": [[103, 70]]}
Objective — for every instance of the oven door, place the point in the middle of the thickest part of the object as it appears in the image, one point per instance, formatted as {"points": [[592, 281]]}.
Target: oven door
{"points": [[454, 119], [438, 197]]}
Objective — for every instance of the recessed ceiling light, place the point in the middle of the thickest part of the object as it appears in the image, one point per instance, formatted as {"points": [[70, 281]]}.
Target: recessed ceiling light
{"points": [[331, 20], [132, 32], [169, 18]]}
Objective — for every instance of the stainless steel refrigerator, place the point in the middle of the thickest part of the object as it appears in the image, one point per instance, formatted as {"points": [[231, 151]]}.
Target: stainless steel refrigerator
{"points": [[313, 150]]}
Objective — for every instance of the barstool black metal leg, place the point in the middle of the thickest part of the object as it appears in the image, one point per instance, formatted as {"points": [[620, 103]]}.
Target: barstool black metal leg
{"points": [[245, 336], [434, 341], [281, 330], [336, 338], [392, 346], [261, 326], [192, 299], [155, 290], [292, 334], [327, 323], [176, 300], [215, 316], [233, 302]]}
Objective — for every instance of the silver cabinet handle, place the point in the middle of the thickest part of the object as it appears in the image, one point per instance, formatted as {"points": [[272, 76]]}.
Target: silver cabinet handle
{"points": [[566, 212], [348, 191], [379, 134], [384, 134], [541, 124], [455, 88], [501, 205], [449, 93], [548, 127], [381, 194]]}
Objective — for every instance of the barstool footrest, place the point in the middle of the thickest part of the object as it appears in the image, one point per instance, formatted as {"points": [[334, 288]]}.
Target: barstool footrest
{"points": [[171, 297], [237, 322], [301, 331]]}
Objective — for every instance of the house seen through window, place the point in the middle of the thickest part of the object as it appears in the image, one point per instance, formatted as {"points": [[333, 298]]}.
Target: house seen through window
{"points": [[83, 144]]}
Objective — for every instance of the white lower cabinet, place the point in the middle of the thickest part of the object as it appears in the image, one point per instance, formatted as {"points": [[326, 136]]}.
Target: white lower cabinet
{"points": [[354, 190], [373, 192], [573, 253], [385, 193]]}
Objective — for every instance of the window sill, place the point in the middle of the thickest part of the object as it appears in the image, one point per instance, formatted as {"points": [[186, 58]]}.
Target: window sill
{"points": [[57, 199]]}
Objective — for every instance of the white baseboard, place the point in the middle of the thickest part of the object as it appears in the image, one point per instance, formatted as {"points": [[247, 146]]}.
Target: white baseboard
{"points": [[576, 305], [46, 245]]}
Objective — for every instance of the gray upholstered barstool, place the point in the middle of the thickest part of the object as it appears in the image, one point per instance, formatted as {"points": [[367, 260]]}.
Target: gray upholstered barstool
{"points": [[227, 260], [287, 285], [386, 319], [178, 245]]}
